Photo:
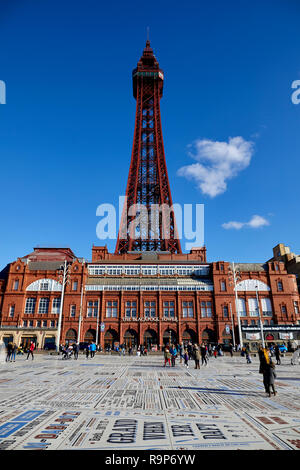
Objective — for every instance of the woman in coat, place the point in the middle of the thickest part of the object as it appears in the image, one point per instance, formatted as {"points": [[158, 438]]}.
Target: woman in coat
{"points": [[197, 357], [269, 377]]}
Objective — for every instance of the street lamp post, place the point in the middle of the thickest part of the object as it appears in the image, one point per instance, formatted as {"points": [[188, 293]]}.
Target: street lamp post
{"points": [[80, 315], [64, 277], [234, 275], [260, 320], [232, 323]]}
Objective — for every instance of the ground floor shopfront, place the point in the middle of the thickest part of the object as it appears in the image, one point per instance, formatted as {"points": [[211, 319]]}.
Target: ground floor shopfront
{"points": [[152, 334], [275, 334]]}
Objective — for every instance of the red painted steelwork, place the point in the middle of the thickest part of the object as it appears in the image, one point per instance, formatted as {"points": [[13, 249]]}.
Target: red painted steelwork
{"points": [[153, 229]]}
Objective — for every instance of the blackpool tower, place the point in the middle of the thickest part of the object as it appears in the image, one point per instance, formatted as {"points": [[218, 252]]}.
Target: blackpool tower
{"points": [[148, 219]]}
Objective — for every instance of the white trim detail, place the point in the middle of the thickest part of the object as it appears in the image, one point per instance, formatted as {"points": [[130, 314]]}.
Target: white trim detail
{"points": [[45, 285], [250, 285], [91, 287]]}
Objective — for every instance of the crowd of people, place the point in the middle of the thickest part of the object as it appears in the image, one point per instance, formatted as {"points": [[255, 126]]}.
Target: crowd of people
{"points": [[189, 351], [12, 350]]}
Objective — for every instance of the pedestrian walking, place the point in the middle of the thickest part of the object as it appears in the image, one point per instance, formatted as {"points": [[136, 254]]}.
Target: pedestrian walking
{"points": [[295, 356], [30, 350], [248, 355], [203, 351], [196, 357], [92, 349], [180, 352], [277, 354], [8, 351], [189, 350], [167, 356], [75, 350], [173, 352], [231, 349], [87, 350], [269, 376], [186, 358], [13, 352], [215, 352]]}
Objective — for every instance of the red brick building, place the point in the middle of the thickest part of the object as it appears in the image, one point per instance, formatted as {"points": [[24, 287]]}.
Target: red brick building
{"points": [[148, 292], [145, 298]]}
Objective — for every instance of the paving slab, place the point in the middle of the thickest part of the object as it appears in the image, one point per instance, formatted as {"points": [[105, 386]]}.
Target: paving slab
{"points": [[134, 403]]}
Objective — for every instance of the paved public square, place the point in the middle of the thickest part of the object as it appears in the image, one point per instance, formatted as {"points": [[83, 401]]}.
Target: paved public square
{"points": [[112, 403]]}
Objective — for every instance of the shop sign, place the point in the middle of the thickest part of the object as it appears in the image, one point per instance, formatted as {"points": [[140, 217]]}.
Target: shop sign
{"points": [[253, 336]]}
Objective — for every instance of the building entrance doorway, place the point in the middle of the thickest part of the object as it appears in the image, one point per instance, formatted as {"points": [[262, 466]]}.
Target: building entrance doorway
{"points": [[170, 337], [189, 336], [130, 339], [150, 339], [110, 338]]}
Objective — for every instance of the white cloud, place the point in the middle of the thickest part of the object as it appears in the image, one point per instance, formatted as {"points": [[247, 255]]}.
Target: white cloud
{"points": [[217, 162], [256, 221]]}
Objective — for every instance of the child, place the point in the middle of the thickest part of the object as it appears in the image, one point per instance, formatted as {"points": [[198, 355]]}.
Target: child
{"points": [[186, 358], [167, 356], [269, 377]]}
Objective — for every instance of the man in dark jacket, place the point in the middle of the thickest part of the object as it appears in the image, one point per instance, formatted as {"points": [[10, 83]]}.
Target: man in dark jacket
{"points": [[203, 354]]}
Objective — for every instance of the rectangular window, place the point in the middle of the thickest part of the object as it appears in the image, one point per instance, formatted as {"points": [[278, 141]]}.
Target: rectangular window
{"points": [[223, 285], [44, 323], [52, 324], [56, 305], [130, 309], [296, 307], [38, 323], [44, 305], [111, 309], [253, 307], [92, 308], [25, 323], [225, 311], [206, 310], [31, 323], [44, 286], [30, 305], [11, 310], [75, 285], [187, 309], [150, 309], [73, 311], [283, 309], [266, 307], [242, 308], [169, 309], [279, 286], [16, 285]]}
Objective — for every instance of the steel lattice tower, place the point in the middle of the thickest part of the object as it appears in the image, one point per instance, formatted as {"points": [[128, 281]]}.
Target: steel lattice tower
{"points": [[148, 220]]}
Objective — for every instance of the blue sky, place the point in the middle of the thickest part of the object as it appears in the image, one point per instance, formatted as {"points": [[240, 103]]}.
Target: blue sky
{"points": [[67, 126]]}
